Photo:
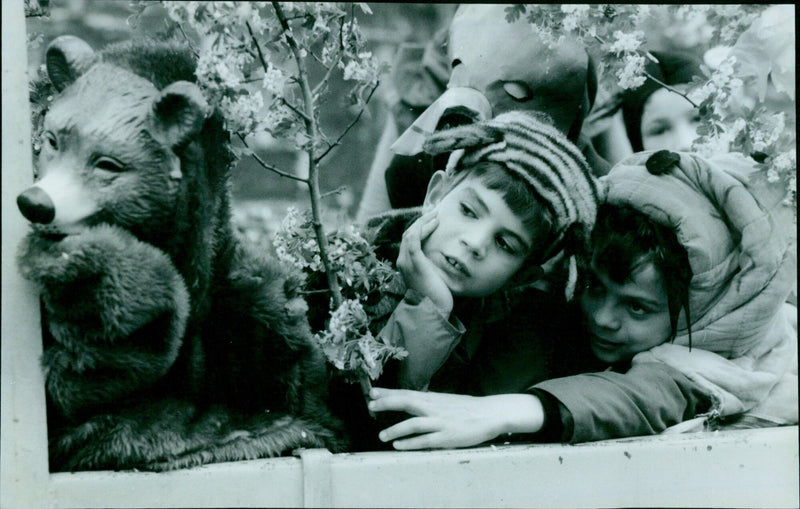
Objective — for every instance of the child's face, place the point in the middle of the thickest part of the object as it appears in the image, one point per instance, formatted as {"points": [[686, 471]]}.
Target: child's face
{"points": [[669, 122], [479, 243], [623, 320]]}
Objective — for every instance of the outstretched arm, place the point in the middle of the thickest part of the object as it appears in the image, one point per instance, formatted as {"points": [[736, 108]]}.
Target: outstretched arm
{"points": [[646, 400], [454, 420]]}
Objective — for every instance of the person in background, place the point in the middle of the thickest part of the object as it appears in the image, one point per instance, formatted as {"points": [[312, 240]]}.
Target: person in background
{"points": [[652, 117], [690, 271], [494, 66], [657, 118]]}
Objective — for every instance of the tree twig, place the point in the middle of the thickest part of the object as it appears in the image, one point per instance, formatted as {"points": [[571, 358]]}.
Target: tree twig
{"points": [[650, 76], [313, 168], [261, 58], [338, 190], [295, 109], [271, 168], [324, 80], [671, 89], [350, 126]]}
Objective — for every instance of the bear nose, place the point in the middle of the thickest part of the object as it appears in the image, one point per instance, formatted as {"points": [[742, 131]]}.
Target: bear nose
{"points": [[36, 206]]}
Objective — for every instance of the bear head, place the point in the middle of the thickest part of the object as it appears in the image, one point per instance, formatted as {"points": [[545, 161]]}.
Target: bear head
{"points": [[116, 145], [129, 140]]}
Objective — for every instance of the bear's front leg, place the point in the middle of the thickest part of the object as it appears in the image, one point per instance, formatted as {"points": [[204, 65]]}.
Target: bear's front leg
{"points": [[116, 308]]}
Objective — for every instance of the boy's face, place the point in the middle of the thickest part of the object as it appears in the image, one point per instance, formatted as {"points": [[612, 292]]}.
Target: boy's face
{"points": [[623, 320], [479, 243]]}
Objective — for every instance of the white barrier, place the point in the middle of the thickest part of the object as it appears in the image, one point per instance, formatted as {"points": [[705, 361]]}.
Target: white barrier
{"points": [[753, 468]]}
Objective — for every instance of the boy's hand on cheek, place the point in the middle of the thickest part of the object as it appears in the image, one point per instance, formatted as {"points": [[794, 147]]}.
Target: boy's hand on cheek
{"points": [[418, 270]]}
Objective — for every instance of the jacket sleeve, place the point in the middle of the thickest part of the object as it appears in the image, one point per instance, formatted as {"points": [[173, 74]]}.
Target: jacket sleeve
{"points": [[645, 400], [418, 326]]}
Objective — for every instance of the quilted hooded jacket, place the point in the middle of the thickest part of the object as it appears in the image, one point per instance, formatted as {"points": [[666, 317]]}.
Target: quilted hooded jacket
{"points": [[741, 242]]}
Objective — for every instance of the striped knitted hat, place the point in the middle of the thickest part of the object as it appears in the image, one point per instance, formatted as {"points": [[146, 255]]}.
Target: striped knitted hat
{"points": [[530, 147]]}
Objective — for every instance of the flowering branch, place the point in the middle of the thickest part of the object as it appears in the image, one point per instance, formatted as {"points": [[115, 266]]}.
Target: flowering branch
{"points": [[650, 76], [313, 171], [754, 44], [324, 81], [349, 290], [271, 168], [350, 126]]}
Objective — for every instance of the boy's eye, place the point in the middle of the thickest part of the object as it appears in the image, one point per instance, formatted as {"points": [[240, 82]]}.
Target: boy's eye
{"points": [[593, 284], [637, 309], [467, 211], [506, 246]]}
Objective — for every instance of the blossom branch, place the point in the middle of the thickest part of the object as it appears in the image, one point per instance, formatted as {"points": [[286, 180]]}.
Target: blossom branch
{"points": [[324, 80], [295, 109], [271, 168], [650, 76], [350, 126], [313, 169]]}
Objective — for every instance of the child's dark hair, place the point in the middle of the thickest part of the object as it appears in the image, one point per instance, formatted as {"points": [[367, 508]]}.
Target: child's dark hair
{"points": [[624, 239], [520, 197]]}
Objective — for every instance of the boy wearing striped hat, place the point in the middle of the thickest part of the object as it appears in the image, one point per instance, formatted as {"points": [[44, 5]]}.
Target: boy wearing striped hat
{"points": [[496, 238]]}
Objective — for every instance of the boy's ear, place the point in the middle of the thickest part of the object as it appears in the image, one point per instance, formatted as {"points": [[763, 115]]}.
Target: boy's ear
{"points": [[436, 189]]}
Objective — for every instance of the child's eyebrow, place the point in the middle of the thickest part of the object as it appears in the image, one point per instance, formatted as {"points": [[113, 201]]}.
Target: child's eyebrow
{"points": [[644, 301], [474, 195], [480, 203]]}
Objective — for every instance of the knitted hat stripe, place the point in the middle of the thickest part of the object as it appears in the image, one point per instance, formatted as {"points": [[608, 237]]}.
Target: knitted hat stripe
{"points": [[519, 161], [552, 166], [542, 172], [584, 179], [575, 175], [548, 136], [573, 156]]}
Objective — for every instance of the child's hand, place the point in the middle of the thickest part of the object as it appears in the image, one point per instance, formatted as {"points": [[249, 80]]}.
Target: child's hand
{"points": [[454, 420], [418, 270]]}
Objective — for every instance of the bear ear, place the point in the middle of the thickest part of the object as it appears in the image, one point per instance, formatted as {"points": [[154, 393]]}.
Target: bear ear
{"points": [[67, 58], [180, 111]]}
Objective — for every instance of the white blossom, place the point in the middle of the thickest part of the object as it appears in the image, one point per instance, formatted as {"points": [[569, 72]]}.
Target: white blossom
{"points": [[240, 113], [274, 80], [626, 42], [763, 138], [631, 76]]}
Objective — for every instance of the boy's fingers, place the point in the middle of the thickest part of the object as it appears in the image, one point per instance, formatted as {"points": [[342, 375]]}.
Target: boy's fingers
{"points": [[412, 426], [428, 226], [411, 237], [426, 441], [410, 403]]}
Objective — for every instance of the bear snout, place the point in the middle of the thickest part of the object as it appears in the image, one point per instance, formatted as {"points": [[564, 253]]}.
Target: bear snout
{"points": [[36, 205]]}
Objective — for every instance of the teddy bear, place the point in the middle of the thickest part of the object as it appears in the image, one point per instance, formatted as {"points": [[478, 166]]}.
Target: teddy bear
{"points": [[169, 342]]}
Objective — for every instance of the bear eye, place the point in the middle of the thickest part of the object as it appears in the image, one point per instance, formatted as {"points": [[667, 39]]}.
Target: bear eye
{"points": [[108, 164], [50, 140]]}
